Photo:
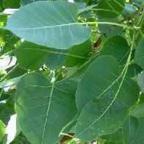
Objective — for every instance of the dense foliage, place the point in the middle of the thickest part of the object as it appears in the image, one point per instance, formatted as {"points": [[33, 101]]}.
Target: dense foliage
{"points": [[71, 72]]}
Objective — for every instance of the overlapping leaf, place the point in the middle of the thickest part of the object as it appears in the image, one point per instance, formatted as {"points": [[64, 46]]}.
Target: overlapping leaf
{"points": [[109, 8], [49, 23], [57, 33], [32, 56], [104, 99], [43, 108], [118, 47], [130, 133]]}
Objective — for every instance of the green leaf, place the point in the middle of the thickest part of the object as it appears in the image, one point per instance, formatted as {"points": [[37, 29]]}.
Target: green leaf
{"points": [[101, 72], [7, 109], [2, 130], [133, 70], [140, 80], [43, 108], [11, 3], [109, 8], [131, 133], [118, 47], [49, 23], [1, 6], [3, 20], [78, 54], [24, 2], [136, 135], [109, 30], [32, 56], [104, 99], [138, 111], [7, 41], [139, 54], [20, 139]]}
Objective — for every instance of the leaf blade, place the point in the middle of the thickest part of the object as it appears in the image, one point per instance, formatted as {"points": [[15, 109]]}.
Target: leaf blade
{"points": [[103, 113], [49, 23], [49, 108]]}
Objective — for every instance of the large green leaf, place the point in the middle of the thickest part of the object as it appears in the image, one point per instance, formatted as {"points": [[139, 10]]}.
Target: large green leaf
{"points": [[43, 108], [139, 54], [97, 78], [49, 23], [104, 99], [32, 56]]}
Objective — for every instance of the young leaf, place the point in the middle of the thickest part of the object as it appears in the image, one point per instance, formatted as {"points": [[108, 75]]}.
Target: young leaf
{"points": [[49, 23], [44, 108]]}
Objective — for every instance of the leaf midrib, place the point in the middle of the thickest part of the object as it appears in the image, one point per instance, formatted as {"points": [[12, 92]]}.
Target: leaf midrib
{"points": [[47, 112], [111, 103], [47, 27], [57, 53]]}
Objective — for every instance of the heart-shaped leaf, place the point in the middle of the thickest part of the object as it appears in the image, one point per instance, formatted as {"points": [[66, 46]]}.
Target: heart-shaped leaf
{"points": [[44, 108], [49, 23], [104, 99]]}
